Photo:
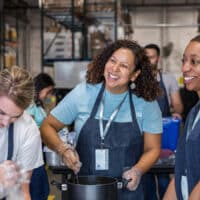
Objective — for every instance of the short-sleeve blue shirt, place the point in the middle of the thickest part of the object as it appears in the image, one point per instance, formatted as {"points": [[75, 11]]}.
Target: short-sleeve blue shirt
{"points": [[77, 106]]}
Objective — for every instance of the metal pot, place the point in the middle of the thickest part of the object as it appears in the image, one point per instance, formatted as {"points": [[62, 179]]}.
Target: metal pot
{"points": [[53, 159], [92, 188]]}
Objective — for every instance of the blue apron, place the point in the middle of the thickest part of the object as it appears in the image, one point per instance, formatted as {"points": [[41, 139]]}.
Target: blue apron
{"points": [[125, 144], [163, 179], [163, 100], [188, 155], [10, 143]]}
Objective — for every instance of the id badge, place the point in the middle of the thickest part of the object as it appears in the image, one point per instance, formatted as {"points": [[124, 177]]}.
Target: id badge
{"points": [[184, 187], [101, 159]]}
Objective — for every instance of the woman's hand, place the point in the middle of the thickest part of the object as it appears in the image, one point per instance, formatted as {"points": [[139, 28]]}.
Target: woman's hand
{"points": [[9, 175], [70, 157], [134, 175]]}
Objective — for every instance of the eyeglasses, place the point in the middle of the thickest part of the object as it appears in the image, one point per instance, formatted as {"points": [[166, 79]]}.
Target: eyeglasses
{"points": [[3, 114]]}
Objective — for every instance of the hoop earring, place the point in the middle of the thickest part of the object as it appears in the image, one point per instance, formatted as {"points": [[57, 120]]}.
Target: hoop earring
{"points": [[132, 85]]}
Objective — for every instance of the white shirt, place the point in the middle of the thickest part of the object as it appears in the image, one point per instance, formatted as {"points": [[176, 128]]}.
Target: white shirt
{"points": [[27, 149]]}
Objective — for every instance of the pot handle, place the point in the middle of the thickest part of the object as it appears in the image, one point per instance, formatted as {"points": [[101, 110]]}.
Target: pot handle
{"points": [[123, 183], [59, 186]]}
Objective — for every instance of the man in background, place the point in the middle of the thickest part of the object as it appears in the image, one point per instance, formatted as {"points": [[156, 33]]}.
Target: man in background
{"points": [[171, 105]]}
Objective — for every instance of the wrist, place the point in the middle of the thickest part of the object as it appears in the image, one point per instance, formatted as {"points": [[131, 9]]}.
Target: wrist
{"points": [[137, 171], [62, 148]]}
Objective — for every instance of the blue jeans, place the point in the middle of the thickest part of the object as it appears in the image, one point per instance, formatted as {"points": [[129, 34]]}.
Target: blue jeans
{"points": [[150, 185], [39, 185]]}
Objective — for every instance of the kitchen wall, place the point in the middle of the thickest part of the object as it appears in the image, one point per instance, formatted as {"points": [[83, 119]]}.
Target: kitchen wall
{"points": [[170, 28]]}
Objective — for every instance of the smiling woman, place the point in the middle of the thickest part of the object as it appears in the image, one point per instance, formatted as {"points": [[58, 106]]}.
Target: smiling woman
{"points": [[113, 122], [185, 184]]}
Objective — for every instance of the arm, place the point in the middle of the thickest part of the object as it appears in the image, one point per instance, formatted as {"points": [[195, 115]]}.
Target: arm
{"points": [[170, 194], [25, 187], [151, 152], [195, 194], [49, 132], [148, 158], [176, 102], [50, 137]]}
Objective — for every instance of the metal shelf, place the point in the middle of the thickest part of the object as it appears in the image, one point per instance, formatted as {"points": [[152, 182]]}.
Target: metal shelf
{"points": [[49, 62], [78, 20]]}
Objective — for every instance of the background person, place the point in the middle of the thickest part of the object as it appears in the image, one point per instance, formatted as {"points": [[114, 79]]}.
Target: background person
{"points": [[44, 85], [131, 116], [19, 136], [185, 184], [170, 101]]}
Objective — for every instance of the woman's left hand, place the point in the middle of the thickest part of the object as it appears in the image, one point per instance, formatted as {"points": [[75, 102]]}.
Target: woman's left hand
{"points": [[134, 175]]}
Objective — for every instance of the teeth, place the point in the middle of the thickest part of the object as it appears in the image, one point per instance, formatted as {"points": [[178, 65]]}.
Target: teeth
{"points": [[113, 76], [188, 78]]}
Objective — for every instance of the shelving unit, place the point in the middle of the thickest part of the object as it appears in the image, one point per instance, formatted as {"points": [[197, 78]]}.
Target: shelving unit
{"points": [[12, 15], [73, 22]]}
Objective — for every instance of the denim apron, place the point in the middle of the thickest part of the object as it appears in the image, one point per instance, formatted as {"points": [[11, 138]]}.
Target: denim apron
{"points": [[125, 144], [10, 143], [188, 154], [163, 179], [163, 100]]}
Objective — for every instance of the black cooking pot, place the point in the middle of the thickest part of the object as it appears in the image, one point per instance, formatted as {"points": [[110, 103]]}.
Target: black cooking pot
{"points": [[92, 188]]}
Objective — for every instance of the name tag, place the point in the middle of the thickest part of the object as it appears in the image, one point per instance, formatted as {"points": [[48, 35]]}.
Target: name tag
{"points": [[101, 159], [184, 187]]}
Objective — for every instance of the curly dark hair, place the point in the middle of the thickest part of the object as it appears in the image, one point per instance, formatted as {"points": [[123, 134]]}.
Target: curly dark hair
{"points": [[146, 84]]}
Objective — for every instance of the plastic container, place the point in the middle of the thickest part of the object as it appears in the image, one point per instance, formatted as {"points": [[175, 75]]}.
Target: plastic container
{"points": [[170, 134]]}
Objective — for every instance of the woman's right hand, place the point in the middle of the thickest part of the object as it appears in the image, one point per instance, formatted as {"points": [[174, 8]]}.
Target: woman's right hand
{"points": [[71, 159], [70, 156]]}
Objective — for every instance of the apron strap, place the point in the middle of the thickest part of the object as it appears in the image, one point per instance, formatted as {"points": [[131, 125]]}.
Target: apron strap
{"points": [[97, 102], [10, 142], [133, 114], [162, 85]]}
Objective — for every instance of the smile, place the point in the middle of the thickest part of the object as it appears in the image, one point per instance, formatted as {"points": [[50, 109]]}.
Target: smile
{"points": [[113, 76]]}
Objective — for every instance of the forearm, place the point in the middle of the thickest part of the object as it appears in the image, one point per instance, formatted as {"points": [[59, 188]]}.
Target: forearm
{"points": [[49, 134], [178, 108], [26, 191], [176, 103], [195, 194], [151, 152], [148, 159], [170, 193]]}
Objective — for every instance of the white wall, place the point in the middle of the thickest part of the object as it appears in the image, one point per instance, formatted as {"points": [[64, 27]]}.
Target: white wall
{"points": [[160, 26]]}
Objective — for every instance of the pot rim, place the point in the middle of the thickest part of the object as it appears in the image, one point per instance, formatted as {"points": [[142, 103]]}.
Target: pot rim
{"points": [[111, 180]]}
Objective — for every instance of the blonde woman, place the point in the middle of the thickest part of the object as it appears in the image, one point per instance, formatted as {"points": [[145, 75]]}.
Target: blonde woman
{"points": [[19, 135]]}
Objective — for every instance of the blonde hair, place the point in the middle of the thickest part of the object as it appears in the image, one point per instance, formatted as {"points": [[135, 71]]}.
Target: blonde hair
{"points": [[17, 84]]}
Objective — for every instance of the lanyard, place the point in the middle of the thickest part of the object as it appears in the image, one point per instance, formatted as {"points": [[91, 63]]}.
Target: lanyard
{"points": [[112, 117]]}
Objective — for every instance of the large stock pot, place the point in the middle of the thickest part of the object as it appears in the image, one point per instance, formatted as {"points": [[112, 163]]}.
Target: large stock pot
{"points": [[92, 188]]}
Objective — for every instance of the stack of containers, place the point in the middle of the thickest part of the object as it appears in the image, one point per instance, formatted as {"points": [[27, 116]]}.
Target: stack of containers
{"points": [[171, 129]]}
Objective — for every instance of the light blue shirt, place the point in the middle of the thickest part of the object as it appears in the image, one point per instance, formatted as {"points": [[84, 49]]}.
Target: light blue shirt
{"points": [[77, 106], [37, 112]]}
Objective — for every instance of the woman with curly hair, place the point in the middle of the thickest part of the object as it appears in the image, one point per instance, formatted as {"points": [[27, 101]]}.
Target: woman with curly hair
{"points": [[115, 116]]}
